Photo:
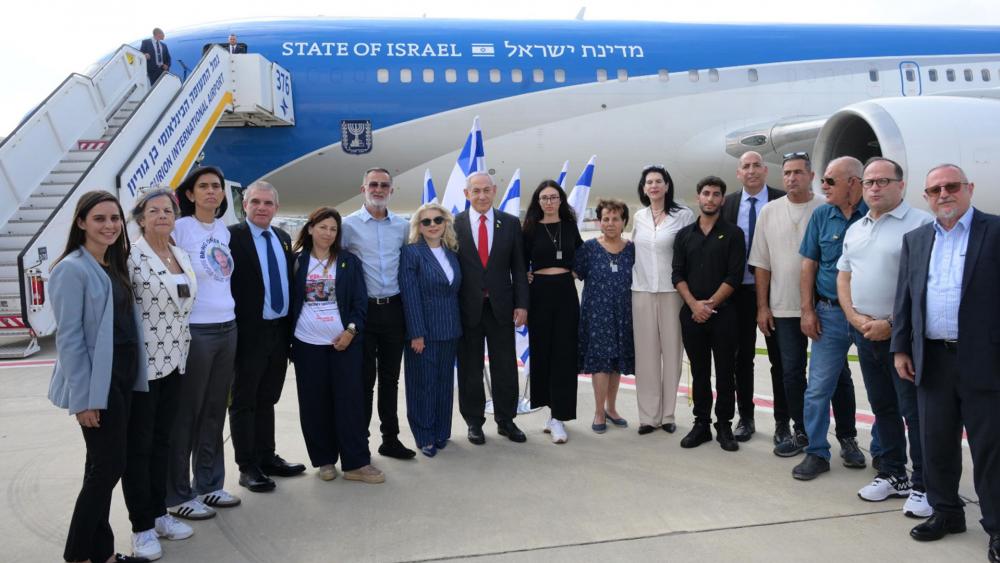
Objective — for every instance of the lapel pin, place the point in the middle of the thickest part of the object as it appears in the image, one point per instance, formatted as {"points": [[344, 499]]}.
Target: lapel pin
{"points": [[720, 237]]}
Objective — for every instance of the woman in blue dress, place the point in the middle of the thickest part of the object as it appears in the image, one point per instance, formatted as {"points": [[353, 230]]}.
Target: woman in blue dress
{"points": [[604, 264]]}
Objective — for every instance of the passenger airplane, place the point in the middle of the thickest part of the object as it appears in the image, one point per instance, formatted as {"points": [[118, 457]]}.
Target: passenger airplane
{"points": [[402, 94]]}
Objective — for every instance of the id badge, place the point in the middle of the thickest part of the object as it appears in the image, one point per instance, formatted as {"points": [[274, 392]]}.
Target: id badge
{"points": [[183, 290], [559, 255], [614, 268]]}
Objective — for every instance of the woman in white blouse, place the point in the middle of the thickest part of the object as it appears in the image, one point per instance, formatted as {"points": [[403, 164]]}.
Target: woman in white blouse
{"points": [[656, 305], [164, 286]]}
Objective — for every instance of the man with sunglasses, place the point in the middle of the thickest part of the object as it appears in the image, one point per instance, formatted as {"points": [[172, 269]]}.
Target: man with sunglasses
{"points": [[823, 320], [866, 286], [946, 339], [742, 208], [376, 236]]}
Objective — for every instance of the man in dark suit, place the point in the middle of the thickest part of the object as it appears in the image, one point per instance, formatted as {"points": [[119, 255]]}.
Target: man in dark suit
{"points": [[946, 339], [157, 55], [262, 255], [742, 209], [233, 46], [494, 300]]}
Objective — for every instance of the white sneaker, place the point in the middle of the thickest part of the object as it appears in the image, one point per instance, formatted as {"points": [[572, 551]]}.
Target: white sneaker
{"points": [[171, 528], [917, 506], [220, 499], [885, 486], [145, 544], [558, 431], [193, 509]]}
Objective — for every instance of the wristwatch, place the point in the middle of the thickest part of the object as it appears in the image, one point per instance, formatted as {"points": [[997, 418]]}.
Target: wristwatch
{"points": [[889, 320], [353, 329]]}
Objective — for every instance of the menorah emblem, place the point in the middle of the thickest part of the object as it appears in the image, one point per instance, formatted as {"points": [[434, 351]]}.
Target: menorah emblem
{"points": [[356, 136], [356, 129]]}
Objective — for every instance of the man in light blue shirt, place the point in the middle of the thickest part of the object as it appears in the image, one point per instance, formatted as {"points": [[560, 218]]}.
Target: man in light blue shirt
{"points": [[376, 236]]}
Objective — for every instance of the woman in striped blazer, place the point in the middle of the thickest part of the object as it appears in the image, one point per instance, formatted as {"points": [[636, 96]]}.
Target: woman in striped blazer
{"points": [[429, 279]]}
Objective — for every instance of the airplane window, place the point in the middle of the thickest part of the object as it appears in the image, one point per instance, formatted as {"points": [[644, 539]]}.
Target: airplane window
{"points": [[602, 75], [910, 77], [382, 75], [752, 75], [873, 75], [538, 75], [693, 75], [450, 75], [516, 75], [473, 75], [405, 75], [713, 75], [950, 74], [986, 75], [560, 75], [494, 75], [622, 75], [968, 75], [932, 74], [428, 75]]}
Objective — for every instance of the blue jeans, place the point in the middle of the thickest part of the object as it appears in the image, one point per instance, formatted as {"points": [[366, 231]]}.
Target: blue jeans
{"points": [[828, 366], [878, 372]]}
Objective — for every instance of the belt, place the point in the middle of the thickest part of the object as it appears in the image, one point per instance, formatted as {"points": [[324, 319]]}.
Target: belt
{"points": [[214, 326], [830, 302], [950, 345], [383, 300]]}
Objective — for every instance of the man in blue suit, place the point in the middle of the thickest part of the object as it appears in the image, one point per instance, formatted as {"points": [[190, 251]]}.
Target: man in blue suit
{"points": [[157, 55], [946, 339]]}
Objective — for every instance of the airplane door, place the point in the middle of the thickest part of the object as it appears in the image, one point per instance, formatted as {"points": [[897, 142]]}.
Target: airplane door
{"points": [[909, 78]]}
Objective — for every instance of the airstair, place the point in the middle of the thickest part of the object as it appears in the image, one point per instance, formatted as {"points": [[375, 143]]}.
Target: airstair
{"points": [[112, 131]]}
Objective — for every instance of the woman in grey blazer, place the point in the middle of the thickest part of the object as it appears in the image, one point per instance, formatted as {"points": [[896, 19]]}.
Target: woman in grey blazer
{"points": [[164, 286], [99, 362], [429, 279]]}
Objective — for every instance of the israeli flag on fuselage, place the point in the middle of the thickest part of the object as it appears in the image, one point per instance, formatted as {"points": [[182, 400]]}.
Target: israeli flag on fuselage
{"points": [[511, 200], [562, 175], [472, 158], [428, 195], [581, 191]]}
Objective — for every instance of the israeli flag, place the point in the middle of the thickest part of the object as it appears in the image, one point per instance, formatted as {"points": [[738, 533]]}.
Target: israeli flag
{"points": [[511, 201], [581, 191], [428, 195], [472, 158], [562, 175], [521, 347]]}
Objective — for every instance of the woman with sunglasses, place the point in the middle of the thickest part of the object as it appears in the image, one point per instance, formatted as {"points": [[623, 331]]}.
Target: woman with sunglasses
{"points": [[656, 305], [429, 279], [551, 238]]}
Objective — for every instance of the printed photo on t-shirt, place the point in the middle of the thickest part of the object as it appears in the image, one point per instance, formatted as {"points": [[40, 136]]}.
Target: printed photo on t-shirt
{"points": [[321, 290], [215, 259]]}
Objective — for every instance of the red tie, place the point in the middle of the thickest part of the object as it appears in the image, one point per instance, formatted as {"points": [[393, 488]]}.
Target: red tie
{"points": [[484, 241]]}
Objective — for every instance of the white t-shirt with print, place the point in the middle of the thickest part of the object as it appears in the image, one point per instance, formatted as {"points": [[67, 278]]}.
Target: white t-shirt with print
{"points": [[208, 248], [319, 322]]}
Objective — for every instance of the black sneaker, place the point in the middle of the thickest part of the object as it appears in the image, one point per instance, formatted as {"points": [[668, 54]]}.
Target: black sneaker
{"points": [[793, 446], [851, 453], [782, 432], [699, 434], [877, 463], [724, 435], [810, 468], [744, 429], [395, 449]]}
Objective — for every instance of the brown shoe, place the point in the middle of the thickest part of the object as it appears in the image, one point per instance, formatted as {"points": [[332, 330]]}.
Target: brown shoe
{"points": [[328, 472], [368, 474]]}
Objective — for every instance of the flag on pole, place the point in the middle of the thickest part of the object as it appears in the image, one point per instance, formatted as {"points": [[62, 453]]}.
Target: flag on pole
{"points": [[472, 158], [428, 195], [562, 175], [581, 191], [511, 201]]}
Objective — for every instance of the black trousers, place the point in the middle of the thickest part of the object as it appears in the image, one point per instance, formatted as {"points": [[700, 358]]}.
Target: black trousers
{"points": [[150, 420], [385, 336], [703, 341], [90, 536], [945, 402], [261, 362], [745, 301], [555, 316], [330, 408], [499, 337]]}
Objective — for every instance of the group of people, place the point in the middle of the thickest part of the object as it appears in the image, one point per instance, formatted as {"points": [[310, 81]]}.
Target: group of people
{"points": [[157, 54], [157, 338]]}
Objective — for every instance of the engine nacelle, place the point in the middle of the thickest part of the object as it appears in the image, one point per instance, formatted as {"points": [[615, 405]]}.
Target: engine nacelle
{"points": [[920, 133]]}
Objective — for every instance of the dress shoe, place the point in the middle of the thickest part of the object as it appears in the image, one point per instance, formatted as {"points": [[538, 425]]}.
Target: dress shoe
{"points": [[810, 468], [395, 449], [851, 453], [278, 467], [429, 450], [328, 472], [255, 480], [724, 435], [937, 527], [699, 434], [993, 551], [511, 431], [646, 429], [669, 427], [476, 435], [744, 430], [782, 432], [599, 428], [119, 558], [619, 422]]}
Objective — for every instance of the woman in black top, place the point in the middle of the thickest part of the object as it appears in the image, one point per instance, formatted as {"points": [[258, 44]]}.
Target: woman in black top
{"points": [[550, 242]]}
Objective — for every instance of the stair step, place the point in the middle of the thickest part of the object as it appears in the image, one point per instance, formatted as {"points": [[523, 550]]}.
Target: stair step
{"points": [[13, 242], [10, 302], [30, 215], [72, 166], [8, 257], [78, 155], [42, 201], [10, 285], [56, 177], [52, 190], [21, 227]]}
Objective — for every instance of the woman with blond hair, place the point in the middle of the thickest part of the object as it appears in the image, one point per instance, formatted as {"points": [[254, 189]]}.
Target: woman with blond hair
{"points": [[429, 279]]}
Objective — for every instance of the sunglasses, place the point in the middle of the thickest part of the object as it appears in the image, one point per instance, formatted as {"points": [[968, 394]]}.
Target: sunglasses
{"points": [[833, 182], [951, 188], [800, 155], [383, 185], [427, 222]]}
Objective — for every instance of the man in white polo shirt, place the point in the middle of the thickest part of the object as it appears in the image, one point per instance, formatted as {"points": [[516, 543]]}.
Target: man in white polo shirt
{"points": [[866, 288]]}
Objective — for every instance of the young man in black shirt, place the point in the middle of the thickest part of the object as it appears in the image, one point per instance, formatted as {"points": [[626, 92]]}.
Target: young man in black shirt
{"points": [[709, 257]]}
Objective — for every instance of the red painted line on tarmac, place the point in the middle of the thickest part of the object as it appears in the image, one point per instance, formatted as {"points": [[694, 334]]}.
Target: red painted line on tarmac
{"points": [[26, 363]]}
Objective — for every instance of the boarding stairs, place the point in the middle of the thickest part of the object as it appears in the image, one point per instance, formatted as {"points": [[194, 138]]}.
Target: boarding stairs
{"points": [[111, 130]]}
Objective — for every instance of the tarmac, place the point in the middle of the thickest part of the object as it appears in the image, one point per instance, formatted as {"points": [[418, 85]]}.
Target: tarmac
{"points": [[612, 497]]}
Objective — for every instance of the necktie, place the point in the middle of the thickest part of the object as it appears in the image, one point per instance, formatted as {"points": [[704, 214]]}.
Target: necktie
{"points": [[274, 276], [752, 222], [159, 55], [484, 241]]}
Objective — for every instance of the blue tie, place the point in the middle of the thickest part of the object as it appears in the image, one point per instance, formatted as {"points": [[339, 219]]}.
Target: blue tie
{"points": [[752, 222], [274, 276]]}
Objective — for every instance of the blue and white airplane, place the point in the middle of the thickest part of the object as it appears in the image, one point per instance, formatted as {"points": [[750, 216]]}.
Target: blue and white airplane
{"points": [[693, 97]]}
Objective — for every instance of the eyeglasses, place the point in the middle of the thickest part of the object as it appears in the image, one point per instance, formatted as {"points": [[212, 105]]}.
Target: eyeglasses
{"points": [[800, 155], [950, 187], [427, 222], [549, 198], [383, 185], [880, 182]]}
